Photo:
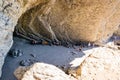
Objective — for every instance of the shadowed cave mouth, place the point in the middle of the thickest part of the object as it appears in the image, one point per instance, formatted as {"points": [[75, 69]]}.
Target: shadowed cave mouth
{"points": [[28, 47], [32, 29], [34, 26]]}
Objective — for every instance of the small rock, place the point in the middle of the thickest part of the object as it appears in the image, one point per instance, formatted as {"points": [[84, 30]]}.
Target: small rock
{"points": [[32, 61], [24, 63], [27, 62], [15, 53], [117, 42], [45, 43], [57, 43], [74, 52], [33, 42], [89, 44], [33, 55], [79, 49], [20, 53]]}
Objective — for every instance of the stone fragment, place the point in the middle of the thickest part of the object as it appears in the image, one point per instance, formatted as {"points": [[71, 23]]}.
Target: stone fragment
{"points": [[15, 53], [27, 62]]}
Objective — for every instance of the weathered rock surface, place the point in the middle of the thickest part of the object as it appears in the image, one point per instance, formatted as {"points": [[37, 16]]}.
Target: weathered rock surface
{"points": [[64, 20], [41, 71], [101, 64], [71, 20], [117, 33], [10, 11]]}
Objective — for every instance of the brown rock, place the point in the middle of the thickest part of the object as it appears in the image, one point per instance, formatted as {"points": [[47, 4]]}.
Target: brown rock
{"points": [[102, 64], [117, 32], [41, 71], [69, 20]]}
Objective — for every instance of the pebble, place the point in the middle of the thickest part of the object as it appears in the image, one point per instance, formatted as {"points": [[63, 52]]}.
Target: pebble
{"points": [[34, 42], [74, 52], [45, 43], [15, 53], [24, 63], [27, 62], [33, 55]]}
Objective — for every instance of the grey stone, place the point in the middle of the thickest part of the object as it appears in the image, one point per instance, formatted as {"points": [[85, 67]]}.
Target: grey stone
{"points": [[15, 53]]}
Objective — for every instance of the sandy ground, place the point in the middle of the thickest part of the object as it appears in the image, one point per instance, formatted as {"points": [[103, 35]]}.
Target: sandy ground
{"points": [[56, 55], [99, 60]]}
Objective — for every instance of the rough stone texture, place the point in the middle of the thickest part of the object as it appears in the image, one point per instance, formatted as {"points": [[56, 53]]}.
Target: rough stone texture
{"points": [[65, 20], [101, 64], [71, 20], [41, 71], [117, 33], [10, 11]]}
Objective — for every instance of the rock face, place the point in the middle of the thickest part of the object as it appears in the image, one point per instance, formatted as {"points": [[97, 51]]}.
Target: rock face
{"points": [[117, 33], [99, 63], [60, 20], [41, 71], [103, 64], [71, 20], [10, 11]]}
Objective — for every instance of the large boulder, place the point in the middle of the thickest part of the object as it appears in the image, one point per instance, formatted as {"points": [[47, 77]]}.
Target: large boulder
{"points": [[102, 64], [41, 71], [71, 21]]}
